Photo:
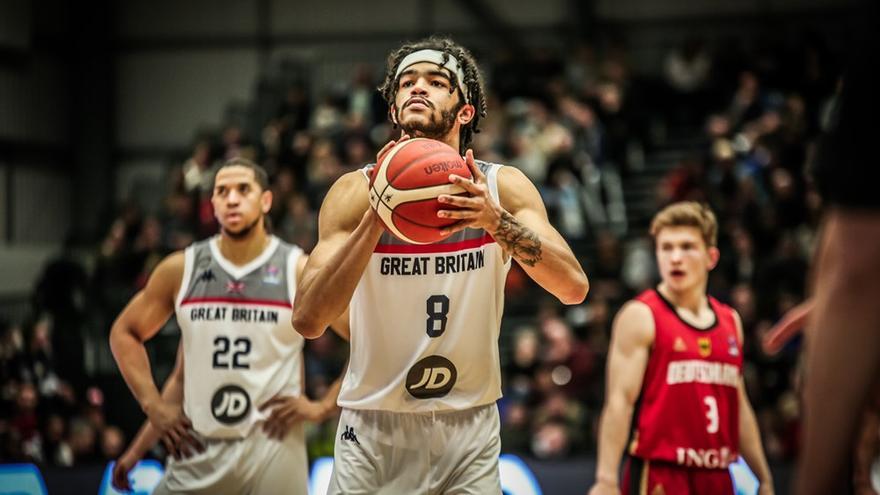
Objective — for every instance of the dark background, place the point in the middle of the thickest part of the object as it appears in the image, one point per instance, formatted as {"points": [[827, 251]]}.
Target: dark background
{"points": [[113, 113]]}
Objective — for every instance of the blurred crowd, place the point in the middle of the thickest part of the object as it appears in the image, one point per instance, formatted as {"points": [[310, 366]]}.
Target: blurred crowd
{"points": [[45, 418], [584, 127]]}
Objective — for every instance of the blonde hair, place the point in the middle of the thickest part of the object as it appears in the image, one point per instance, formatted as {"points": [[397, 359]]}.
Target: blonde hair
{"points": [[687, 214]]}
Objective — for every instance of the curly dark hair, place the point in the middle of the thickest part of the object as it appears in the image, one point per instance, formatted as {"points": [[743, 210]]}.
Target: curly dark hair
{"points": [[473, 81]]}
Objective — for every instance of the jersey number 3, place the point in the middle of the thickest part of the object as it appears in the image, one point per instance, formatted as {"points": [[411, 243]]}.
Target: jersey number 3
{"points": [[711, 413], [241, 347]]}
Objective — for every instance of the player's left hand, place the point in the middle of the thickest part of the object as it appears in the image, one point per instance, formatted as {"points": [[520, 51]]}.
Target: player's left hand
{"points": [[123, 466], [287, 411], [478, 210]]}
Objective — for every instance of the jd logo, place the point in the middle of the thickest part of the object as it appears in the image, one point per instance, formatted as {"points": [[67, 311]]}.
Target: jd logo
{"points": [[230, 404], [433, 376]]}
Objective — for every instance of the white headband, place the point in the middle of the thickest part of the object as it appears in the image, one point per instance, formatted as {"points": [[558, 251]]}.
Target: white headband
{"points": [[435, 57]]}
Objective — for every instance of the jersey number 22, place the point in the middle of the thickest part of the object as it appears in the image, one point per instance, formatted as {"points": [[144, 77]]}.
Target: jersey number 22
{"points": [[240, 347]]}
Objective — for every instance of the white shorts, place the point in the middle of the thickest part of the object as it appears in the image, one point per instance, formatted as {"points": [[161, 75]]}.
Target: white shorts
{"points": [[255, 465], [453, 452]]}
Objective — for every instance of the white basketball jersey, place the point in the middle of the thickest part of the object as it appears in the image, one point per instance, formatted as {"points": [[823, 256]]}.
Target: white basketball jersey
{"points": [[239, 346], [425, 321]]}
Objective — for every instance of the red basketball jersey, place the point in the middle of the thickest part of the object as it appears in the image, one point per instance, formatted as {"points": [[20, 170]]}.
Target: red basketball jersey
{"points": [[688, 409]]}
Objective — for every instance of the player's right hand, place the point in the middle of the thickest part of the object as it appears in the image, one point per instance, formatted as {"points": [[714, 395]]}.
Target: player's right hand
{"points": [[120, 471], [604, 489], [175, 427]]}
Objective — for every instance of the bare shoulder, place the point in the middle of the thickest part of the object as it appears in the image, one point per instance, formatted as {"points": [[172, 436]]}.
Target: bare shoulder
{"points": [[635, 323], [168, 275], [345, 204], [516, 191]]}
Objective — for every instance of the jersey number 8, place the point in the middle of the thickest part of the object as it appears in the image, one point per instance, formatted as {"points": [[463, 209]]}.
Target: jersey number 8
{"points": [[437, 309]]}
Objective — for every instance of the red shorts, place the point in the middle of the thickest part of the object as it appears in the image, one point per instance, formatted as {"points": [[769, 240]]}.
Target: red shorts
{"points": [[643, 477]]}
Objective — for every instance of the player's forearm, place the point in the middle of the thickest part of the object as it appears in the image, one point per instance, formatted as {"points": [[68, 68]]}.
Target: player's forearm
{"points": [[751, 447], [148, 436], [843, 348], [551, 265], [325, 292], [329, 402], [614, 428], [131, 358], [172, 390]]}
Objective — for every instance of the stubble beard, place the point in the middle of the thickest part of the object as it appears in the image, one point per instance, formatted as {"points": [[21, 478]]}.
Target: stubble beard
{"points": [[244, 232], [434, 129]]}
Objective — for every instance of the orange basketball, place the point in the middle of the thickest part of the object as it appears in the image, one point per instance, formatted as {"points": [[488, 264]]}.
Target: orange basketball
{"points": [[405, 185]]}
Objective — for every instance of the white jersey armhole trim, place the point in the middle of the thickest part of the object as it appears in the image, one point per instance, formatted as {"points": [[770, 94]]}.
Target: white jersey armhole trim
{"points": [[292, 260], [188, 255], [492, 179], [365, 173]]}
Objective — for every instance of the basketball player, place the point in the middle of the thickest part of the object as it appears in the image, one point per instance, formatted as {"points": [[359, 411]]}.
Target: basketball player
{"points": [[278, 424], [241, 357], [842, 361], [418, 398], [675, 375]]}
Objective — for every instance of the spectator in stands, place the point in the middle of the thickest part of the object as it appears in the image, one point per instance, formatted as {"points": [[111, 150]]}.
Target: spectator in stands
{"points": [[112, 443], [82, 440], [573, 364], [686, 70], [55, 450], [197, 168]]}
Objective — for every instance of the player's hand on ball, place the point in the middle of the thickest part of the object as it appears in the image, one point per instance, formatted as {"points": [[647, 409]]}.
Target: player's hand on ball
{"points": [[120, 471], [287, 411], [478, 210], [176, 429]]}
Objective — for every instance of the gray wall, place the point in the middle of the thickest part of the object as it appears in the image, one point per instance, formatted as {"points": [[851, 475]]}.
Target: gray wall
{"points": [[35, 185], [33, 96]]}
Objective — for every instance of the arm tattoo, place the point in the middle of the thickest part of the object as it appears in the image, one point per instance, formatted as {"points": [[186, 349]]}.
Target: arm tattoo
{"points": [[518, 240]]}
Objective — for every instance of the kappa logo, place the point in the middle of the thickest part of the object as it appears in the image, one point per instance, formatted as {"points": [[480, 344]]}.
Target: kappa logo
{"points": [[349, 435], [206, 276], [704, 344], [679, 345]]}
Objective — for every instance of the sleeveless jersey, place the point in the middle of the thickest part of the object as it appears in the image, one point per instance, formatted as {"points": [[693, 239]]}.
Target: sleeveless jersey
{"points": [[425, 321], [688, 408], [239, 346]]}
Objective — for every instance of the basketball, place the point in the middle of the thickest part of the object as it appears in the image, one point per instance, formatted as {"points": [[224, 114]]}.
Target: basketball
{"points": [[406, 183]]}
